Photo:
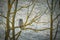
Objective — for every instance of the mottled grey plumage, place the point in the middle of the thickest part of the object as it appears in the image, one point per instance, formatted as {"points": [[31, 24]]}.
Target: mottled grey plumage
{"points": [[20, 23]]}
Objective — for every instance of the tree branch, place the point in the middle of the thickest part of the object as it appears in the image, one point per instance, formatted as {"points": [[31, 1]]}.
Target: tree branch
{"points": [[3, 16], [36, 30], [56, 17]]}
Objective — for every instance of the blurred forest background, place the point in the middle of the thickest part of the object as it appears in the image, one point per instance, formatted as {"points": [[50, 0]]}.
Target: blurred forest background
{"points": [[29, 19]]}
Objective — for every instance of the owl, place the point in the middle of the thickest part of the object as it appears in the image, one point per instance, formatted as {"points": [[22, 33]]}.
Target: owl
{"points": [[20, 23]]}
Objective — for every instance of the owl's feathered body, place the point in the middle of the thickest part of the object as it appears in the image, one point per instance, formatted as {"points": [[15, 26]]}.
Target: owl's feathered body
{"points": [[20, 23]]}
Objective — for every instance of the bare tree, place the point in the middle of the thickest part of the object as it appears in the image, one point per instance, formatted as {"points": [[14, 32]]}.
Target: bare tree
{"points": [[27, 22], [52, 9]]}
